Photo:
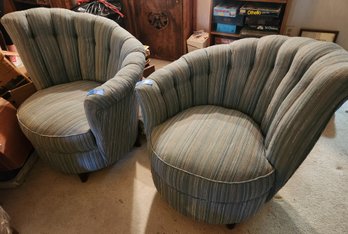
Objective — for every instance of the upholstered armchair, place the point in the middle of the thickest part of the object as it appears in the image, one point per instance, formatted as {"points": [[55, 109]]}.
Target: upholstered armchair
{"points": [[84, 115], [227, 126]]}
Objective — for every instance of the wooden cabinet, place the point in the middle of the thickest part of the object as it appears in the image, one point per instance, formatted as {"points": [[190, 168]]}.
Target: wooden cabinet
{"points": [[164, 25], [261, 26]]}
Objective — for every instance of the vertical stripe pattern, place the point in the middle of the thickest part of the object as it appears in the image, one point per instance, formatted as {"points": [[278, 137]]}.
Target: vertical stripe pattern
{"points": [[67, 54], [215, 155], [278, 89]]}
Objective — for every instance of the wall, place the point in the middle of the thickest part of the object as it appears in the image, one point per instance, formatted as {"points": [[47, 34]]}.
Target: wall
{"points": [[315, 14], [321, 14], [203, 10]]}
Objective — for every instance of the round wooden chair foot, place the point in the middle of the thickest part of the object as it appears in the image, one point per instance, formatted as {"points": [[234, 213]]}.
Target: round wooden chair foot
{"points": [[230, 225]]}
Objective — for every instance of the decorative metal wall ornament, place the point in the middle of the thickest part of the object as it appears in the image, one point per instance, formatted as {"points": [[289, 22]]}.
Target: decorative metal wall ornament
{"points": [[158, 20]]}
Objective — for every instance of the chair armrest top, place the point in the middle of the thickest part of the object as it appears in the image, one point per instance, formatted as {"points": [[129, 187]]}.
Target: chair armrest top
{"points": [[121, 85]]}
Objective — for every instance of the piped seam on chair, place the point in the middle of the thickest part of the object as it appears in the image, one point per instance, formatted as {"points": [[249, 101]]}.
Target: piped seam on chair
{"points": [[208, 179], [217, 202], [43, 135], [75, 152]]}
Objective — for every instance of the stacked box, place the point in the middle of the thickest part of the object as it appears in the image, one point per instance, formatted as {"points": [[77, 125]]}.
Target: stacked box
{"points": [[226, 17], [238, 20], [197, 41], [260, 9], [248, 32], [226, 9], [263, 23], [226, 28]]}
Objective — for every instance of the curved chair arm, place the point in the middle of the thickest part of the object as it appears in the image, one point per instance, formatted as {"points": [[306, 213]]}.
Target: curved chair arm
{"points": [[302, 118], [111, 107], [152, 105], [121, 84], [164, 93]]}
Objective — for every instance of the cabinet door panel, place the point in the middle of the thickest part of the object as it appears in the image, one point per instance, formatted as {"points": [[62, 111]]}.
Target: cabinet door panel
{"points": [[159, 25]]}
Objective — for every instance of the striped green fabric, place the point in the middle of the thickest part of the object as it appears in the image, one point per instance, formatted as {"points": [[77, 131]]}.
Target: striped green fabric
{"points": [[208, 211], [67, 54], [227, 135], [62, 138], [218, 152], [287, 87], [53, 130], [59, 45]]}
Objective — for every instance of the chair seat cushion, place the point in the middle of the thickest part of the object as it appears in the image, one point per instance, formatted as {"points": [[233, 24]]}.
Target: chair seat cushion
{"points": [[54, 118], [212, 153]]}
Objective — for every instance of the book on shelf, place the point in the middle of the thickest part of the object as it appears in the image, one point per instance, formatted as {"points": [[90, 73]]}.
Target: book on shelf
{"points": [[264, 27], [263, 23], [262, 20], [249, 32]]}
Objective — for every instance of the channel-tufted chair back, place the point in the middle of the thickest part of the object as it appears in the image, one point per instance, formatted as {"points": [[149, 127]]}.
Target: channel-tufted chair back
{"points": [[63, 46], [290, 87], [84, 116]]}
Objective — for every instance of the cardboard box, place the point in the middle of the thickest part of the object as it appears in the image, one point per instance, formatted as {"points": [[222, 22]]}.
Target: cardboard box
{"points": [[20, 94], [197, 41], [15, 85], [227, 9]]}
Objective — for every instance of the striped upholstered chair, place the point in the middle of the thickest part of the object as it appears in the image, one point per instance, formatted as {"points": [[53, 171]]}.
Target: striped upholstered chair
{"points": [[228, 125], [84, 115]]}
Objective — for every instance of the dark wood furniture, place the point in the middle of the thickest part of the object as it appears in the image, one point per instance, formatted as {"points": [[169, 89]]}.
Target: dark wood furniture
{"points": [[25, 4], [163, 25], [8, 6], [234, 36]]}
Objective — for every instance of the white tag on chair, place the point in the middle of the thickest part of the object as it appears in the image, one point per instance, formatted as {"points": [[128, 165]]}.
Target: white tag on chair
{"points": [[146, 82]]}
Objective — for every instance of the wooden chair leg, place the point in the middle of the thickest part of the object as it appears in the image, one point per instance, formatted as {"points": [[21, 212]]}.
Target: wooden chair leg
{"points": [[14, 231], [137, 141], [230, 225], [83, 177]]}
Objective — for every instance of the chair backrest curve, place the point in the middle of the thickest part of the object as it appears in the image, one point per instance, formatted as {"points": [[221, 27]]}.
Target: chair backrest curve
{"points": [[259, 77], [59, 45], [289, 86]]}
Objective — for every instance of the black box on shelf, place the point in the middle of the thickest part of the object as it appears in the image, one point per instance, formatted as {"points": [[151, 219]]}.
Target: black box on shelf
{"points": [[263, 23], [249, 32], [264, 27], [238, 20], [261, 9], [262, 20]]}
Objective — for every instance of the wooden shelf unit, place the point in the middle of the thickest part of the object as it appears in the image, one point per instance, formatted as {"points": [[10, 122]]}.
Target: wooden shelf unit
{"points": [[235, 36]]}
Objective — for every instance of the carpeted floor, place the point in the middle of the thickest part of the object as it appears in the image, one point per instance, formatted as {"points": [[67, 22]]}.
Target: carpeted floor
{"points": [[123, 199]]}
